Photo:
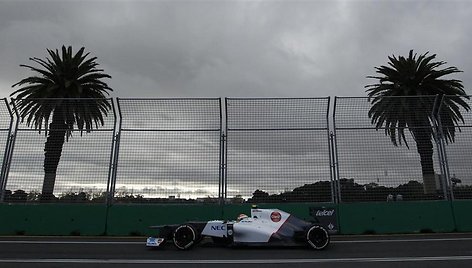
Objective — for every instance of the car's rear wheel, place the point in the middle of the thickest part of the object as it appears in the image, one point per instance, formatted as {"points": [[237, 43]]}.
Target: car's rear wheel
{"points": [[185, 237], [317, 237]]}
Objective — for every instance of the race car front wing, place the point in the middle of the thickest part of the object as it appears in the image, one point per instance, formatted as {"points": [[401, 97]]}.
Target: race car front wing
{"points": [[154, 241]]}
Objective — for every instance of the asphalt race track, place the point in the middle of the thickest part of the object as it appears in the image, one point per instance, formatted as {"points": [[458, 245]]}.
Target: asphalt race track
{"points": [[431, 250]]}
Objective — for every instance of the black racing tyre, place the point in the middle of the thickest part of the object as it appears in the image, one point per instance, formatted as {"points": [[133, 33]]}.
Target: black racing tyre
{"points": [[185, 237], [317, 237]]}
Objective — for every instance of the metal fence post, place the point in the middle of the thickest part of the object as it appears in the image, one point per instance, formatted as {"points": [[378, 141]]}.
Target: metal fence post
{"points": [[222, 186], [9, 148], [331, 156], [7, 152], [111, 165], [114, 154], [335, 155], [440, 143], [333, 164], [447, 178], [225, 149], [4, 173], [222, 181]]}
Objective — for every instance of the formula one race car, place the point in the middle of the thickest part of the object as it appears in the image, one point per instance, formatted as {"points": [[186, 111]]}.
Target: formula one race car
{"points": [[264, 227]]}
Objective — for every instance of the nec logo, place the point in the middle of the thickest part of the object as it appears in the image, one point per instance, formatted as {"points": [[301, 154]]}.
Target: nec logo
{"points": [[218, 228]]}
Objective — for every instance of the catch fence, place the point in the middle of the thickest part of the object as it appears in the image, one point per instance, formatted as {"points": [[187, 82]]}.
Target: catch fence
{"points": [[373, 167], [278, 150], [169, 150], [83, 171], [236, 150], [458, 152]]}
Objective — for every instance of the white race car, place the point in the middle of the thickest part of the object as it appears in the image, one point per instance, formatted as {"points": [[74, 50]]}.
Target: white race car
{"points": [[263, 227]]}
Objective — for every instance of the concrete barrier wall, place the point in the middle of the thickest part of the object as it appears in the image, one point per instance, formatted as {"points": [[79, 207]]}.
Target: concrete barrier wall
{"points": [[135, 219], [396, 217], [52, 219], [463, 215]]}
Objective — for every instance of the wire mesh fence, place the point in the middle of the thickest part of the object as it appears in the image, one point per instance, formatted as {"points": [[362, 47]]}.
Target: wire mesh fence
{"points": [[249, 150], [459, 150], [278, 150], [169, 150], [57, 162], [386, 150]]}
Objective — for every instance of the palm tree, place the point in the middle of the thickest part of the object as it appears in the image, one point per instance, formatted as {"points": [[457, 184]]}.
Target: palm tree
{"points": [[421, 77], [68, 88]]}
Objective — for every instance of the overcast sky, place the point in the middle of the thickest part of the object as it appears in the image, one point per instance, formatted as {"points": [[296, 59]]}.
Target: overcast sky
{"points": [[236, 48]]}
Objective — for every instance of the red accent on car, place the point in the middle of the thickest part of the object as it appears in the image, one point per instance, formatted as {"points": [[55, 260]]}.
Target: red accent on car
{"points": [[275, 216]]}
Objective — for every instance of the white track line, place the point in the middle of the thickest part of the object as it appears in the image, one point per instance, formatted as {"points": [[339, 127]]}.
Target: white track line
{"points": [[402, 240], [239, 261], [72, 242]]}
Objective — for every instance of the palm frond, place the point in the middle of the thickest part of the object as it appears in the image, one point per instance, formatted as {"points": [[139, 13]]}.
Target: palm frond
{"points": [[64, 75], [418, 76]]}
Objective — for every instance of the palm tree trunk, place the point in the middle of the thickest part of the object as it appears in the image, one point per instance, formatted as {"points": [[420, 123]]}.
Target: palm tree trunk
{"points": [[52, 154], [425, 150]]}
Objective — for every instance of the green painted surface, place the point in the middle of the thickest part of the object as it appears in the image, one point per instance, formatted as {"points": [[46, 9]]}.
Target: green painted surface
{"points": [[135, 219], [396, 217], [463, 215], [52, 219]]}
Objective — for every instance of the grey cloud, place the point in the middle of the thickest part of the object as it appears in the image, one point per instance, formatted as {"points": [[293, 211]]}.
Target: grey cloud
{"points": [[235, 48]]}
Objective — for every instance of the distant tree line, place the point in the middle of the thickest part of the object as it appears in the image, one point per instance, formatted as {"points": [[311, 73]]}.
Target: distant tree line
{"points": [[317, 192], [354, 192]]}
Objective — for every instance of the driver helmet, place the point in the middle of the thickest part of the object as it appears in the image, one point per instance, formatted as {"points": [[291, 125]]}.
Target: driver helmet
{"points": [[242, 216]]}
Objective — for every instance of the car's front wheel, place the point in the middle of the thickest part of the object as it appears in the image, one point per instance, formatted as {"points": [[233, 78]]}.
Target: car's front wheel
{"points": [[185, 237], [317, 237]]}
